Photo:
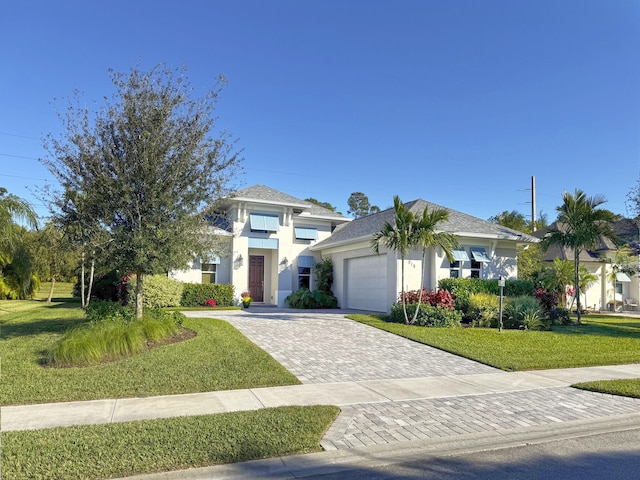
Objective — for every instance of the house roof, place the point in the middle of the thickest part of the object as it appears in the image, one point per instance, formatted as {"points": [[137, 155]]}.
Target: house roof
{"points": [[458, 223], [586, 255], [268, 195]]}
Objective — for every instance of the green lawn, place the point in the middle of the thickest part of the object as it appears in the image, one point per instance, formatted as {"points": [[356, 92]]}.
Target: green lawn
{"points": [[602, 340], [218, 358], [626, 387], [117, 450]]}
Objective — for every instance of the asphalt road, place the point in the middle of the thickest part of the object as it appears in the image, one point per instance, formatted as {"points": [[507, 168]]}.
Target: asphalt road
{"points": [[603, 456]]}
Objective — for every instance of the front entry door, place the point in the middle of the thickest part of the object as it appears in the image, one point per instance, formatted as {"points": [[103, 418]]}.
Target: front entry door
{"points": [[256, 277]]}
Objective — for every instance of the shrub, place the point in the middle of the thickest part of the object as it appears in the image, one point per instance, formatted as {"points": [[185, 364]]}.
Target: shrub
{"points": [[196, 294], [462, 288], [324, 275], [305, 298], [103, 310], [440, 298], [113, 334], [516, 308], [483, 309], [158, 291], [548, 299], [560, 316], [211, 303], [428, 315], [105, 287]]}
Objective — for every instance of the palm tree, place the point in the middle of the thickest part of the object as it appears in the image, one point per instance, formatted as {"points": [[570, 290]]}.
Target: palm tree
{"points": [[580, 225], [400, 238], [13, 208], [426, 234]]}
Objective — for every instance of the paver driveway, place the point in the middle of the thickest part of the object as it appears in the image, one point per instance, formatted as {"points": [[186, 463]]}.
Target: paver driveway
{"points": [[322, 347], [325, 347]]}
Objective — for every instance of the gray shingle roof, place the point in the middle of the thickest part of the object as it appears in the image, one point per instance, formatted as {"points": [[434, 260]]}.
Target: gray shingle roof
{"points": [[262, 193], [458, 223]]}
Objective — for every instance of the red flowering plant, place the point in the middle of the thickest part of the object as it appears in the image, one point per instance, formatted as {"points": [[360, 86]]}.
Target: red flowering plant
{"points": [[210, 303], [440, 298]]}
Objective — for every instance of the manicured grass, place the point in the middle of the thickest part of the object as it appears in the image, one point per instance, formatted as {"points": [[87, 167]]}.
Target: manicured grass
{"points": [[117, 450], [218, 358], [626, 388], [61, 291], [602, 340]]}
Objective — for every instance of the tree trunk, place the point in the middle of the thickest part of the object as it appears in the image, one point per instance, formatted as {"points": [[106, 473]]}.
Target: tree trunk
{"points": [[82, 280], [576, 266], [415, 314], [93, 265], [53, 284], [404, 303], [139, 283]]}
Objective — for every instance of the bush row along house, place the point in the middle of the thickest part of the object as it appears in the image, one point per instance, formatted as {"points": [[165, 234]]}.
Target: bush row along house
{"points": [[274, 241]]}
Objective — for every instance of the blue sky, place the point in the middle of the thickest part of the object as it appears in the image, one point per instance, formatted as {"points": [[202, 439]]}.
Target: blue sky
{"points": [[458, 102]]}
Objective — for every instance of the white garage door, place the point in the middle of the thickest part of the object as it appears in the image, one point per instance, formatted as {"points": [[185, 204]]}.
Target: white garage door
{"points": [[367, 283]]}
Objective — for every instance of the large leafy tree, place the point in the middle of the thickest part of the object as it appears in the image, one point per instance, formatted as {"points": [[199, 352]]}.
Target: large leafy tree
{"points": [[399, 237], [359, 205], [581, 225], [633, 200], [147, 166], [426, 235]]}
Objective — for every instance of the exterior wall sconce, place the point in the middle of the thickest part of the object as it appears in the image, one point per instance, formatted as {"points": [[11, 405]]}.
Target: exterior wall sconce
{"points": [[237, 263]]}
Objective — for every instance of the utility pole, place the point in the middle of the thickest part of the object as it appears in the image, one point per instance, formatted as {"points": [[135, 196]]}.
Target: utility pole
{"points": [[533, 203]]}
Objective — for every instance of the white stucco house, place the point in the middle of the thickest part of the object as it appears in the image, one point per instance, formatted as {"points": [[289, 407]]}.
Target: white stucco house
{"points": [[613, 290], [276, 239]]}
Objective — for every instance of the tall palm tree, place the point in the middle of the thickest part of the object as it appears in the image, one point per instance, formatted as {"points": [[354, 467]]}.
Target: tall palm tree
{"points": [[581, 225], [398, 237], [425, 231]]}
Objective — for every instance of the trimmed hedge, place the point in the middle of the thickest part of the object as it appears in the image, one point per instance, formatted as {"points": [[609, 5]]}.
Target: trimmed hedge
{"points": [[158, 291], [196, 294], [428, 315], [462, 288]]}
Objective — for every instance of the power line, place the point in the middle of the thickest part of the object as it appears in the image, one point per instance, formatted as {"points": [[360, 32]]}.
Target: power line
{"points": [[18, 156], [25, 178], [19, 136]]}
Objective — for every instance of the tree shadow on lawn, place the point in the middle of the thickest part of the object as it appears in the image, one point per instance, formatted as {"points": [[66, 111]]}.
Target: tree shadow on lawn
{"points": [[622, 330], [35, 327]]}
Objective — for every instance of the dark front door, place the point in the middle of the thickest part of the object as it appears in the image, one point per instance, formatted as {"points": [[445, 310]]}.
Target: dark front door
{"points": [[256, 277]]}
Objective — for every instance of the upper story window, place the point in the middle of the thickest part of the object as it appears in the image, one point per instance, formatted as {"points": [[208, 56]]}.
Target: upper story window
{"points": [[306, 233], [264, 223]]}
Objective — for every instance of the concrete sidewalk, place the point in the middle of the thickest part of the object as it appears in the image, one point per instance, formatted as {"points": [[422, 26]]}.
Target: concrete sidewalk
{"points": [[344, 394]]}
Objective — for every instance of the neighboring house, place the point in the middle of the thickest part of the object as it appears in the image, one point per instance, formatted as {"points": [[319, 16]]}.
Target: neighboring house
{"points": [[276, 239], [269, 235], [613, 289]]}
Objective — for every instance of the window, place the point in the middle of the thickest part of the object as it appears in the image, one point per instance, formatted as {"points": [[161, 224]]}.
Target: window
{"points": [[454, 269], [476, 267], [209, 273], [306, 233], [304, 277], [264, 223], [305, 264]]}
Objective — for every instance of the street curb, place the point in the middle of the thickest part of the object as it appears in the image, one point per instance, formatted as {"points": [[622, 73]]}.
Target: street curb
{"points": [[327, 462]]}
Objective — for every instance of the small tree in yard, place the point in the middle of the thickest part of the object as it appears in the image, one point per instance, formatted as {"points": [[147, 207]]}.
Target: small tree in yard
{"points": [[399, 237], [581, 224], [146, 168], [425, 231]]}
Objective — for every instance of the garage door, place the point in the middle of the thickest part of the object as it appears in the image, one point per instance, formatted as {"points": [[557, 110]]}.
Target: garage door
{"points": [[367, 283]]}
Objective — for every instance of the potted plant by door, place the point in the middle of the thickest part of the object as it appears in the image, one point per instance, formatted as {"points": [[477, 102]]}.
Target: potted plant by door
{"points": [[246, 299]]}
